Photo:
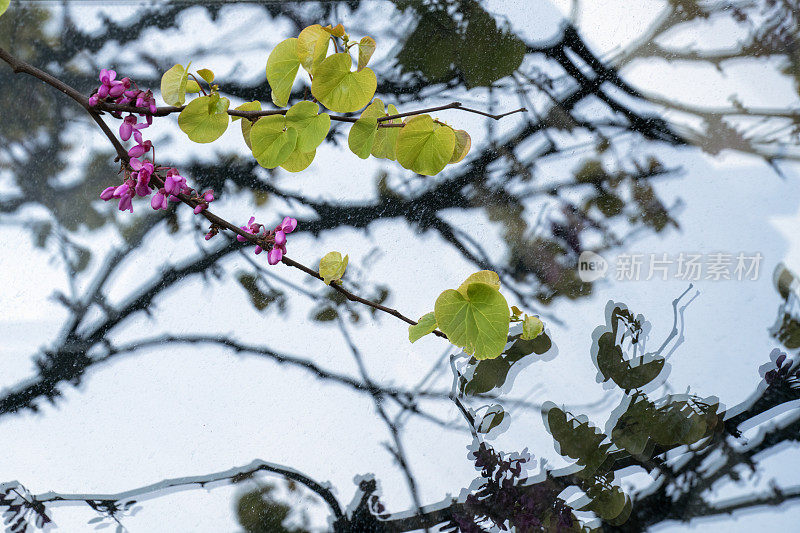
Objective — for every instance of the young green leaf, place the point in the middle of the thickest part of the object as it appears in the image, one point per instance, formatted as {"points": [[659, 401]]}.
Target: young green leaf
{"points": [[272, 142], [332, 267], [463, 144], [298, 160], [312, 47], [362, 136], [477, 321], [532, 327], [488, 277], [247, 124], [206, 74], [312, 127], [173, 85], [337, 31], [205, 119], [366, 47], [425, 146], [192, 87], [340, 90], [4, 5], [282, 67], [425, 325]]}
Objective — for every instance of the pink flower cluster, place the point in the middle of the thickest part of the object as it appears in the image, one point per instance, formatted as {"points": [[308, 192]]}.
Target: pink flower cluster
{"points": [[277, 237], [137, 181], [138, 177], [120, 92]]}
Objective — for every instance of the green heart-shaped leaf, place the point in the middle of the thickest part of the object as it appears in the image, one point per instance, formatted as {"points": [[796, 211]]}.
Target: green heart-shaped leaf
{"points": [[205, 119], [173, 85], [488, 277], [298, 160], [362, 136], [340, 90], [282, 67], [312, 127], [425, 146], [272, 142], [425, 325], [4, 5], [312, 47], [477, 322]]}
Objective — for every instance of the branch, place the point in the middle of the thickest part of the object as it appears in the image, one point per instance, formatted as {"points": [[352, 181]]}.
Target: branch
{"points": [[20, 66], [168, 110], [182, 483], [774, 497]]}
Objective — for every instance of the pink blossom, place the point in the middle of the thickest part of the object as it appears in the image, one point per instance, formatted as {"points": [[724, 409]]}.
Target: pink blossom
{"points": [[159, 201], [174, 183], [129, 125], [126, 202], [288, 225], [108, 193], [274, 256], [141, 148]]}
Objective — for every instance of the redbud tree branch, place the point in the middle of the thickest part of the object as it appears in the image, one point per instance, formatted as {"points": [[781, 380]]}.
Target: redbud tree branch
{"points": [[20, 66], [168, 110]]}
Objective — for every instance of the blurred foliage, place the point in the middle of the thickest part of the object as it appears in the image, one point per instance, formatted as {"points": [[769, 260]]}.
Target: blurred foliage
{"points": [[259, 512], [472, 47], [642, 428]]}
